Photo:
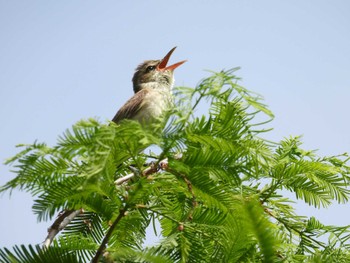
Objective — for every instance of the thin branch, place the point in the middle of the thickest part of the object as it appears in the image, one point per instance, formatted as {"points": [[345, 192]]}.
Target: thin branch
{"points": [[194, 200], [107, 236], [67, 216], [271, 190], [148, 171], [190, 189], [163, 164], [290, 227], [123, 179], [59, 224], [179, 223], [273, 187]]}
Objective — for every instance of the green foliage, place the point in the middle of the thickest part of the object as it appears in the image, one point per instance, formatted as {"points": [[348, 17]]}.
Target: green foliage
{"points": [[209, 201], [36, 254]]}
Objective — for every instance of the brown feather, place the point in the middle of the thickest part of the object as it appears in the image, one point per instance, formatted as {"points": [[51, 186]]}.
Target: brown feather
{"points": [[131, 107]]}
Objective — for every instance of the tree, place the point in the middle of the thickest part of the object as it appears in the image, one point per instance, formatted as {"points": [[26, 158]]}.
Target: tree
{"points": [[211, 182]]}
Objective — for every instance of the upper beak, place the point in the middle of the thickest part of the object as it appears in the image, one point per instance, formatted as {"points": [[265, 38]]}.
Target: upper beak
{"points": [[162, 65]]}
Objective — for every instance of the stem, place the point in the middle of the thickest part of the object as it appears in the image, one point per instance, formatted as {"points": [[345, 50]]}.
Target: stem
{"points": [[194, 201], [290, 227], [197, 101], [272, 189], [190, 189], [107, 236]]}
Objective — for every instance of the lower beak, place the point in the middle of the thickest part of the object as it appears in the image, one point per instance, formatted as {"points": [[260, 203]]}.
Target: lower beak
{"points": [[162, 65]]}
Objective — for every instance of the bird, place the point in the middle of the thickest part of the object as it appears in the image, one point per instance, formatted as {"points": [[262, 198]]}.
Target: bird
{"points": [[152, 84]]}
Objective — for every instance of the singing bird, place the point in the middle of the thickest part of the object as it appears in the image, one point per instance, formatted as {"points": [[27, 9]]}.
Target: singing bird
{"points": [[152, 83]]}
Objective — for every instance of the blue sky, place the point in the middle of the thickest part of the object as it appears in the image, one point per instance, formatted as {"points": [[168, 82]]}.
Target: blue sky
{"points": [[62, 61]]}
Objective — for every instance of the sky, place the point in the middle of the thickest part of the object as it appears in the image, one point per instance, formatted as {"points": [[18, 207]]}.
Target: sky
{"points": [[62, 61]]}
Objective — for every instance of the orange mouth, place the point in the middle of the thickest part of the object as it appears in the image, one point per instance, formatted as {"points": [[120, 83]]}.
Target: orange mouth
{"points": [[162, 65]]}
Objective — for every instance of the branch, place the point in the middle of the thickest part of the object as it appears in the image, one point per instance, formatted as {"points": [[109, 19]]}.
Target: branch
{"points": [[109, 233], [123, 179], [153, 168], [194, 201], [163, 164], [190, 189], [301, 233], [63, 219], [67, 216]]}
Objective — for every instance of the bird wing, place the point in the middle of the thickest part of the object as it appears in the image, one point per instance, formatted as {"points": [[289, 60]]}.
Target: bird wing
{"points": [[131, 107]]}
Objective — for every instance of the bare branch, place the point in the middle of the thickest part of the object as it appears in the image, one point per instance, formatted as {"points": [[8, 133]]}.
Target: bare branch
{"points": [[153, 168], [123, 179], [63, 219]]}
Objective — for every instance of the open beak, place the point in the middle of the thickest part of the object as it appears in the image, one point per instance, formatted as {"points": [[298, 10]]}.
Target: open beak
{"points": [[162, 65]]}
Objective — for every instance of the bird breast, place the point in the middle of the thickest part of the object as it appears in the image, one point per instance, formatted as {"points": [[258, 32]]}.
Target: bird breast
{"points": [[153, 105]]}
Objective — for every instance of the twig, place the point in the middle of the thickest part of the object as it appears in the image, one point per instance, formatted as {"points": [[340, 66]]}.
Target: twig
{"points": [[301, 233], [194, 200], [109, 233], [163, 164], [123, 179], [60, 223], [190, 189]]}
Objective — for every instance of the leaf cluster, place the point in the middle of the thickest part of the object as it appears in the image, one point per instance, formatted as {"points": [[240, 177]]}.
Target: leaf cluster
{"points": [[220, 198]]}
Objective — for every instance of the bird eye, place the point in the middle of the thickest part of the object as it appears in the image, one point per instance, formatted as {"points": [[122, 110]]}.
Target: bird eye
{"points": [[150, 68]]}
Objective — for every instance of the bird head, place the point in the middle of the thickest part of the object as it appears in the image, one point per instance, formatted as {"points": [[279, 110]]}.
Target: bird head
{"points": [[155, 73]]}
